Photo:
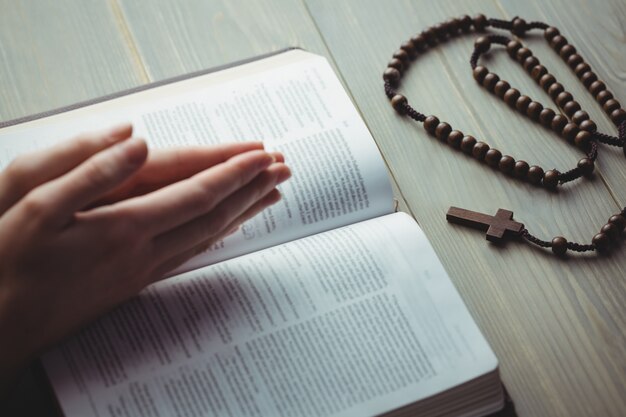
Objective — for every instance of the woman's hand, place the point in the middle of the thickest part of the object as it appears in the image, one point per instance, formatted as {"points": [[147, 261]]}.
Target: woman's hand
{"points": [[89, 223]]}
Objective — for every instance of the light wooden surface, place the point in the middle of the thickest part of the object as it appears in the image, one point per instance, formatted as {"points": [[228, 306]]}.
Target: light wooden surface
{"points": [[558, 327]]}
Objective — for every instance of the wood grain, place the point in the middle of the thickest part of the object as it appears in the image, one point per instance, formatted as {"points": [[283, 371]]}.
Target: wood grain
{"points": [[601, 42], [57, 53], [179, 37], [557, 326]]}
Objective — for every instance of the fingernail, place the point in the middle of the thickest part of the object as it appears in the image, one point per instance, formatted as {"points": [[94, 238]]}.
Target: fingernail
{"points": [[284, 175], [121, 130], [266, 161]]}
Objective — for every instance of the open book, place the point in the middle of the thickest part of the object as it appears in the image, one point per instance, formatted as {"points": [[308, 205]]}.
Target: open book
{"points": [[326, 304]]}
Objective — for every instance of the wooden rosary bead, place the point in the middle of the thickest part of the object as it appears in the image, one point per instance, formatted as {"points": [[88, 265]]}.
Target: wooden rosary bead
{"points": [[430, 36], [611, 105], [482, 44], [467, 144], [603, 97], [570, 131], [441, 31], [610, 230], [479, 150], [596, 87], [480, 73], [506, 165], [551, 179], [442, 131], [430, 124], [617, 117], [574, 60], [570, 108], [522, 54], [579, 116], [530, 63], [511, 96], [535, 174], [466, 23], [512, 47], [409, 48], [559, 245], [588, 125], [601, 242], [558, 123], [480, 22], [397, 64], [537, 71], [493, 157], [563, 98], [402, 55], [546, 116], [581, 69], [533, 110], [581, 130], [398, 102], [550, 33], [454, 139], [567, 50], [419, 43], [522, 103], [555, 89], [586, 166], [454, 26], [558, 42], [582, 139], [519, 27], [521, 169], [588, 78], [619, 221], [490, 81], [546, 81], [501, 87], [391, 75]]}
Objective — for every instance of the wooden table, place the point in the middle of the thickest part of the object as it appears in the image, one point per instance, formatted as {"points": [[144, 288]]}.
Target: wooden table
{"points": [[558, 327]]}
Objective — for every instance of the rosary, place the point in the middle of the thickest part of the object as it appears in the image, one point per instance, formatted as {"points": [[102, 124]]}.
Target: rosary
{"points": [[574, 125]]}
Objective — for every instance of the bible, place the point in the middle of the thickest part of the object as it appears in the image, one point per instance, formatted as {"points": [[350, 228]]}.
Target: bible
{"points": [[328, 303]]}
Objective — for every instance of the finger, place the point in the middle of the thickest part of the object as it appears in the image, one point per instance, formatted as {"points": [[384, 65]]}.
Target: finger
{"points": [[167, 166], [173, 262], [100, 173], [271, 198], [178, 203], [219, 220], [28, 171]]}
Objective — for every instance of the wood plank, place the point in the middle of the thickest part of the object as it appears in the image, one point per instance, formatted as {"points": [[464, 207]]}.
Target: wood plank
{"points": [[56, 53], [178, 37], [557, 326], [175, 38], [601, 44]]}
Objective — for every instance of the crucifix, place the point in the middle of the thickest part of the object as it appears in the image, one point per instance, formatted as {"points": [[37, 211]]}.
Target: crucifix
{"points": [[498, 227]]}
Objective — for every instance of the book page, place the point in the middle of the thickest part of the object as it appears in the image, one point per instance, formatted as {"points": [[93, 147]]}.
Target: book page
{"points": [[298, 107], [356, 321]]}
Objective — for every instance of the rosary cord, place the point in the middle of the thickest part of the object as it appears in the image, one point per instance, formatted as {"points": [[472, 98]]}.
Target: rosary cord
{"points": [[612, 140], [575, 173], [510, 25], [573, 124], [576, 247]]}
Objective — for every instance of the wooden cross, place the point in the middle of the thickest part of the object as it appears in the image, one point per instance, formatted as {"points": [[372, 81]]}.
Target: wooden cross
{"points": [[498, 227]]}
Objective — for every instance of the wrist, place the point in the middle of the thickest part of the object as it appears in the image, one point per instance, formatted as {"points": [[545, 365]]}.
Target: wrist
{"points": [[14, 354]]}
